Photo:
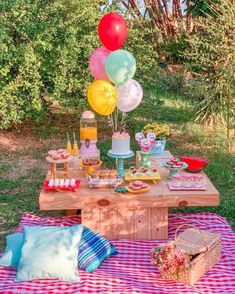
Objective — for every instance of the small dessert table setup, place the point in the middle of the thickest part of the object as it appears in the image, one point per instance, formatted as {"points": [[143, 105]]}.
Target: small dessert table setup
{"points": [[126, 203], [132, 203], [118, 227]]}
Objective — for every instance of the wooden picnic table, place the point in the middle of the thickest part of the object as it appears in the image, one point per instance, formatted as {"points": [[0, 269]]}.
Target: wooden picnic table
{"points": [[127, 216]]}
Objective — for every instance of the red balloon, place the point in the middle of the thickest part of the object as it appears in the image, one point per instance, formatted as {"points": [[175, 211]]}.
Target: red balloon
{"points": [[112, 31]]}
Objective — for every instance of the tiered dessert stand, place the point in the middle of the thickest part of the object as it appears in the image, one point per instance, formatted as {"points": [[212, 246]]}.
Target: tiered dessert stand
{"points": [[120, 161]]}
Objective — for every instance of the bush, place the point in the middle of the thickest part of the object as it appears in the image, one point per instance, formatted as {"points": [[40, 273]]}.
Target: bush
{"points": [[171, 81], [44, 52]]}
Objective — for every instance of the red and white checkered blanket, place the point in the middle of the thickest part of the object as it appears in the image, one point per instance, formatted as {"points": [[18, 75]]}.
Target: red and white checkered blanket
{"points": [[131, 270]]}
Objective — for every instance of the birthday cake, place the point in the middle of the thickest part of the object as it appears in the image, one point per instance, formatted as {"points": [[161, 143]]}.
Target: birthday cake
{"points": [[120, 143]]}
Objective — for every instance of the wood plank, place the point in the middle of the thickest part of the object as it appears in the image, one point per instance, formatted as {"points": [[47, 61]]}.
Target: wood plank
{"points": [[91, 218], [159, 223], [125, 223], [109, 223], [141, 224], [162, 198], [71, 212]]}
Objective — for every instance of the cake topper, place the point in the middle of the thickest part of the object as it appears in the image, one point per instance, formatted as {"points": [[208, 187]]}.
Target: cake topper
{"points": [[145, 143], [151, 136], [139, 136]]}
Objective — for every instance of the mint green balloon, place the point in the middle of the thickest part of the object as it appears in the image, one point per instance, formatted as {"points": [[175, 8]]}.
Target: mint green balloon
{"points": [[120, 66]]}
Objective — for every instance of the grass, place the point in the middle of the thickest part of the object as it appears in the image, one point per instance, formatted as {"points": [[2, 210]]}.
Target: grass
{"points": [[20, 183]]}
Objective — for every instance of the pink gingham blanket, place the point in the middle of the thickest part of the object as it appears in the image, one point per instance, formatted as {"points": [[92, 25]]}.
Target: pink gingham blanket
{"points": [[131, 270]]}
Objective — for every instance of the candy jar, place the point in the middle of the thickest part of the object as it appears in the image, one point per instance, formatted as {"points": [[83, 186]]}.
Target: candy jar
{"points": [[176, 179], [187, 181], [198, 181]]}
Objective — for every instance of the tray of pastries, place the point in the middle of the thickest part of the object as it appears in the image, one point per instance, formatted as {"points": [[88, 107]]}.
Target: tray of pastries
{"points": [[143, 174], [61, 185], [58, 156], [104, 179]]}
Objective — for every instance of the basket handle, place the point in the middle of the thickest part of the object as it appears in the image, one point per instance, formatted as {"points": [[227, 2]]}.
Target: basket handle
{"points": [[187, 225]]}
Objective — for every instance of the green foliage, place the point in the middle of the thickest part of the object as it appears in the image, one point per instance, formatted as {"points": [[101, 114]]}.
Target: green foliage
{"points": [[211, 56], [44, 51], [174, 48], [171, 81], [139, 43], [201, 7]]}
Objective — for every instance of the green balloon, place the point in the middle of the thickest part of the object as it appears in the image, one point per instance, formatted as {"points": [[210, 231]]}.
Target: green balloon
{"points": [[120, 66]]}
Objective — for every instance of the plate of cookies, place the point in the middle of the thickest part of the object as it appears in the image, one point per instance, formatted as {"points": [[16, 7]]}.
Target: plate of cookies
{"points": [[104, 179], [143, 174]]}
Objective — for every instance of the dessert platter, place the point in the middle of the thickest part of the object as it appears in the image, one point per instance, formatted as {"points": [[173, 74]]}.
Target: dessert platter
{"points": [[58, 156], [187, 182], [104, 179], [143, 173], [61, 185], [138, 187], [174, 165], [95, 163]]}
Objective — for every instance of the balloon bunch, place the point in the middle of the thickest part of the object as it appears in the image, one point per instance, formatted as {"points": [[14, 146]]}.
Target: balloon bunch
{"points": [[145, 143], [111, 65]]}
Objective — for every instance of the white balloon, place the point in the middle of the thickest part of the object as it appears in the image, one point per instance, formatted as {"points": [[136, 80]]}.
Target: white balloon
{"points": [[129, 95]]}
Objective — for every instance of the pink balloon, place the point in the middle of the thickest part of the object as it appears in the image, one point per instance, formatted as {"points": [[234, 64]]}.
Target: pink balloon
{"points": [[97, 63]]}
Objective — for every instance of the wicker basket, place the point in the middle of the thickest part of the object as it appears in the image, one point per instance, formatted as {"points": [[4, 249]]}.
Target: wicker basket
{"points": [[204, 246]]}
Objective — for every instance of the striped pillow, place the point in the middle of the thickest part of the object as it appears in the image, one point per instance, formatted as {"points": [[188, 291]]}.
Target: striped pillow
{"points": [[93, 250]]}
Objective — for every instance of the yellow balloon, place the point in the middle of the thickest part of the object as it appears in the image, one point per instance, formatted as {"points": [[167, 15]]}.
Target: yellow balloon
{"points": [[102, 97]]}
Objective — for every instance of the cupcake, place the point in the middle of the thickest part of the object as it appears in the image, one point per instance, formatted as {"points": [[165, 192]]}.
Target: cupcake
{"points": [[61, 183], [66, 183], [132, 171], [72, 182], [113, 174], [143, 171], [104, 175], [51, 183], [95, 174], [56, 183]]}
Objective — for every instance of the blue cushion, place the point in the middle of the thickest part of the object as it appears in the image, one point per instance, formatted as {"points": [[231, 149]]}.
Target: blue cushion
{"points": [[50, 252], [94, 249], [11, 255]]}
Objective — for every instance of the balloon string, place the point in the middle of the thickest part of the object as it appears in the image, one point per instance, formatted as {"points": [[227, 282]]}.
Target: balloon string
{"points": [[123, 122], [110, 122], [116, 119]]}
